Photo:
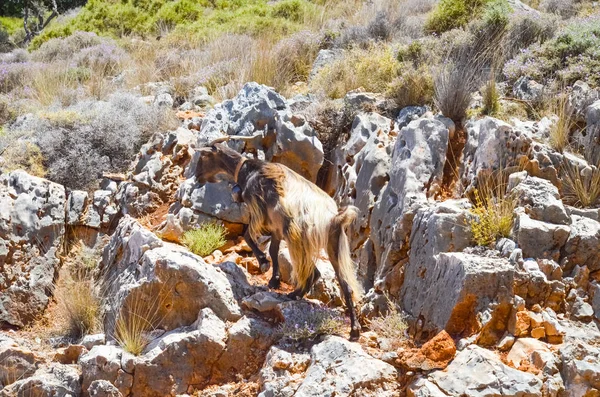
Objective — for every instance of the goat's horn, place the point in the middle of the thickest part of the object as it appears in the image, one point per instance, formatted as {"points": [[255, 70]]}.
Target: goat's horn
{"points": [[245, 138], [219, 140]]}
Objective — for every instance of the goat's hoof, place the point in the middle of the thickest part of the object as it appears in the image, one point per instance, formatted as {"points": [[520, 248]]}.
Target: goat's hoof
{"points": [[354, 334], [264, 267], [274, 283], [292, 295]]}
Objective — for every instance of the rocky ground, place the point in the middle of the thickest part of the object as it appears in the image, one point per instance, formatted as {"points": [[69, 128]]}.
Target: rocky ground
{"points": [[520, 318]]}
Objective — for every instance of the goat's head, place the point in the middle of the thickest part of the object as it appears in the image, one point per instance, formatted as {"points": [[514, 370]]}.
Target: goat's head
{"points": [[211, 163]]}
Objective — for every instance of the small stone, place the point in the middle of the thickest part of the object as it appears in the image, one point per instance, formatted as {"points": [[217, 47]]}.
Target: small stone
{"points": [[536, 319], [536, 308], [519, 323], [538, 332], [506, 342], [582, 310], [69, 354]]}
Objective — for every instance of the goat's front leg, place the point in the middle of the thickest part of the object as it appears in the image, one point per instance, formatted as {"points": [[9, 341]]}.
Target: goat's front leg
{"points": [[274, 252], [260, 256]]}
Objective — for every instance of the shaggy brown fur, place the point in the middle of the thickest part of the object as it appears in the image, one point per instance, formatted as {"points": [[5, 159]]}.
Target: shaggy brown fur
{"points": [[288, 207]]}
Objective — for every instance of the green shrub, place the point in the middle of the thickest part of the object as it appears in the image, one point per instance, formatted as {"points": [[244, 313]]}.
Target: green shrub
{"points": [[451, 14], [205, 239], [11, 24], [573, 54]]}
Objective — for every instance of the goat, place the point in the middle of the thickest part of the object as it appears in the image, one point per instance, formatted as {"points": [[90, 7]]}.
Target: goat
{"points": [[287, 207]]}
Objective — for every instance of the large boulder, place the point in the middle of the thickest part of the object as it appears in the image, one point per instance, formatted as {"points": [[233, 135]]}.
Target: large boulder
{"points": [[181, 358], [109, 363], [478, 372], [592, 142], [415, 175], [32, 228], [541, 201], [540, 239], [16, 362], [282, 372], [141, 272], [341, 368], [360, 174], [583, 244], [450, 291], [56, 380]]}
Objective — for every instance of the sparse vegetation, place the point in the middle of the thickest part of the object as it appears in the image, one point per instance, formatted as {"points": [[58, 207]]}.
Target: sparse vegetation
{"points": [[138, 316], [205, 239], [581, 187], [78, 301], [304, 323], [451, 14], [493, 208], [391, 326], [371, 69], [560, 131]]}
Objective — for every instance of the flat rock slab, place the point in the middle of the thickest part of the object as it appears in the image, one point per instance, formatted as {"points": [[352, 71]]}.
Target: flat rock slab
{"points": [[477, 372]]}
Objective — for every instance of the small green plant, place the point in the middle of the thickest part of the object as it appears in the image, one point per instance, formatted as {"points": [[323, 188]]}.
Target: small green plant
{"points": [[581, 189], [493, 208], [304, 322], [451, 14], [205, 239], [391, 326]]}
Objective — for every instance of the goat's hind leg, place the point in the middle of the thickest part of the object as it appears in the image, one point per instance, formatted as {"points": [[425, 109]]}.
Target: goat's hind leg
{"points": [[260, 256]]}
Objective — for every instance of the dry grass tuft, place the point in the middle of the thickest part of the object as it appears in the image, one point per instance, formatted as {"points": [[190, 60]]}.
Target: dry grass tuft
{"points": [[581, 188], [391, 326], [139, 315], [493, 207], [561, 130]]}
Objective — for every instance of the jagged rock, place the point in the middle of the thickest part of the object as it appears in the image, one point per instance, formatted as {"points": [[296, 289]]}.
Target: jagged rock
{"points": [[421, 387], [103, 388], [282, 372], [32, 227], [173, 283], [582, 245], [201, 98], [527, 89], [592, 142], [523, 349], [164, 100], [581, 310], [248, 342], [492, 144], [57, 380], [324, 58], [416, 173], [77, 203], [478, 372], [580, 368], [409, 114], [595, 293], [453, 288], [361, 181], [69, 354], [181, 358], [581, 97], [541, 201], [264, 301], [105, 363], [212, 199], [342, 368], [540, 239], [15, 362], [90, 341]]}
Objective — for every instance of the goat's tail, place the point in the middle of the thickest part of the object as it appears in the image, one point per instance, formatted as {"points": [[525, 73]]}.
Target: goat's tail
{"points": [[337, 234]]}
